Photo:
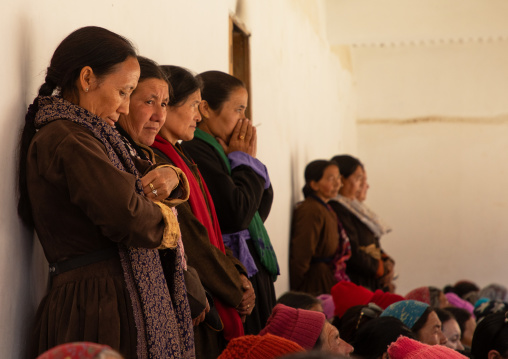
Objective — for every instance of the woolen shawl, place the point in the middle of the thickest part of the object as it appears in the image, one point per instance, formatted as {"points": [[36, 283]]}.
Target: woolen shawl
{"points": [[163, 322]]}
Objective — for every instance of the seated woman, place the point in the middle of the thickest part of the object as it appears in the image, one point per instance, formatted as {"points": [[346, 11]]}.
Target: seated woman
{"points": [[300, 300], [221, 273], [467, 325], [450, 328], [224, 148], [308, 328], [372, 340], [107, 281], [420, 318], [490, 339], [315, 246], [368, 266], [407, 348]]}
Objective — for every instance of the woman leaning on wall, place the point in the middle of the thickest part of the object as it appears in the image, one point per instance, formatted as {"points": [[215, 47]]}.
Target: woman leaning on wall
{"points": [[92, 207]]}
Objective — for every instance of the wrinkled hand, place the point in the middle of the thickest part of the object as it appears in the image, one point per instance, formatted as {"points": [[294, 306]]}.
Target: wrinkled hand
{"points": [[248, 300], [163, 180], [243, 139], [201, 317]]}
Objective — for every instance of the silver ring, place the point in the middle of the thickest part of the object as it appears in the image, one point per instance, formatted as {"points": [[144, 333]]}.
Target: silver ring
{"points": [[154, 190]]}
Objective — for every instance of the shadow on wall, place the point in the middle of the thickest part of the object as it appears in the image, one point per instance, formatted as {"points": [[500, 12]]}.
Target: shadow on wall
{"points": [[21, 259]]}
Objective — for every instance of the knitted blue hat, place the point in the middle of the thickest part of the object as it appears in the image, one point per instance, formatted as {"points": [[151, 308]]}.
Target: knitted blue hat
{"points": [[407, 311]]}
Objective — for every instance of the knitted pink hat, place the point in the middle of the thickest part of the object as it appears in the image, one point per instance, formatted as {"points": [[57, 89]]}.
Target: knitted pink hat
{"points": [[299, 325], [458, 302], [259, 347], [405, 348]]}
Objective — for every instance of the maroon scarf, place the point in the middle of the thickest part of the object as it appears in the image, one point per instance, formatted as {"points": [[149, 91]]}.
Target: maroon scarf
{"points": [[230, 318]]}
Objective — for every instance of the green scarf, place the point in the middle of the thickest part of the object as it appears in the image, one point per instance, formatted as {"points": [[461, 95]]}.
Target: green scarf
{"points": [[256, 228]]}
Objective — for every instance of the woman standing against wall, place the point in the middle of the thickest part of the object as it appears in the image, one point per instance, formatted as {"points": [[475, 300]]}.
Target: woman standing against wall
{"points": [[224, 148], [315, 237], [368, 266], [94, 211], [222, 275]]}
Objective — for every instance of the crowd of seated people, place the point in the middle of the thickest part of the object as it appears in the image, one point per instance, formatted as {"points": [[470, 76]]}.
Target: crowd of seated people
{"points": [[142, 184]]}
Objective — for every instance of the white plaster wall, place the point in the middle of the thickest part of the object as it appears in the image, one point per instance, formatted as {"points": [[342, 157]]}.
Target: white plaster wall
{"points": [[300, 94], [440, 180]]}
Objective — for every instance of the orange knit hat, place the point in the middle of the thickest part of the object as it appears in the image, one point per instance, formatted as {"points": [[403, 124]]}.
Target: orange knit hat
{"points": [[266, 346]]}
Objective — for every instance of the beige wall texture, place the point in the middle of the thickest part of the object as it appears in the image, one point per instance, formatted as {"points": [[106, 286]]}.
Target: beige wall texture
{"points": [[301, 94], [432, 132]]}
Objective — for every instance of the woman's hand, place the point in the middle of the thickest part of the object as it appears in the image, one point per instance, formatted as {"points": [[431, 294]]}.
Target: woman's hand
{"points": [[243, 139], [248, 300], [159, 183], [201, 317]]}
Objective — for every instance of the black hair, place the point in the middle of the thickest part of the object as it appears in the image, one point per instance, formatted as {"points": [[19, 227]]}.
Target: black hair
{"points": [[92, 46], [298, 300], [444, 315], [462, 288], [314, 172], [184, 83], [217, 88], [149, 69], [461, 316], [374, 337], [491, 333], [347, 164], [353, 319], [420, 323]]}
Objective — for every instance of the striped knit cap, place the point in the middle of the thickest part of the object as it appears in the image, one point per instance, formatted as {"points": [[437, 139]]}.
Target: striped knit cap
{"points": [[266, 346], [299, 325]]}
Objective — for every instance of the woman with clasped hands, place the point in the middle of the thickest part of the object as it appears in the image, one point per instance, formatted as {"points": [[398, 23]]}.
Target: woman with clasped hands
{"points": [[224, 148], [84, 194]]}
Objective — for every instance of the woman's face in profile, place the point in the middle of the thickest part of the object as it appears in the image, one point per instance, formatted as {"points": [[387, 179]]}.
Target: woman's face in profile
{"points": [[431, 332], [109, 97], [332, 342], [361, 195], [451, 331], [351, 185], [223, 123], [182, 119], [147, 111], [328, 186]]}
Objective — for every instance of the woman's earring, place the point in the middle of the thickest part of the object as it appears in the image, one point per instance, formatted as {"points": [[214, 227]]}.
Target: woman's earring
{"points": [[86, 90]]}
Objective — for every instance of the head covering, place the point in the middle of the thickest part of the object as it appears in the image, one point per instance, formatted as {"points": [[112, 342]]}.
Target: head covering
{"points": [[385, 299], [299, 325], [78, 350], [429, 295], [407, 311], [482, 309], [347, 294], [405, 348], [458, 302], [266, 346], [327, 304], [494, 292]]}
